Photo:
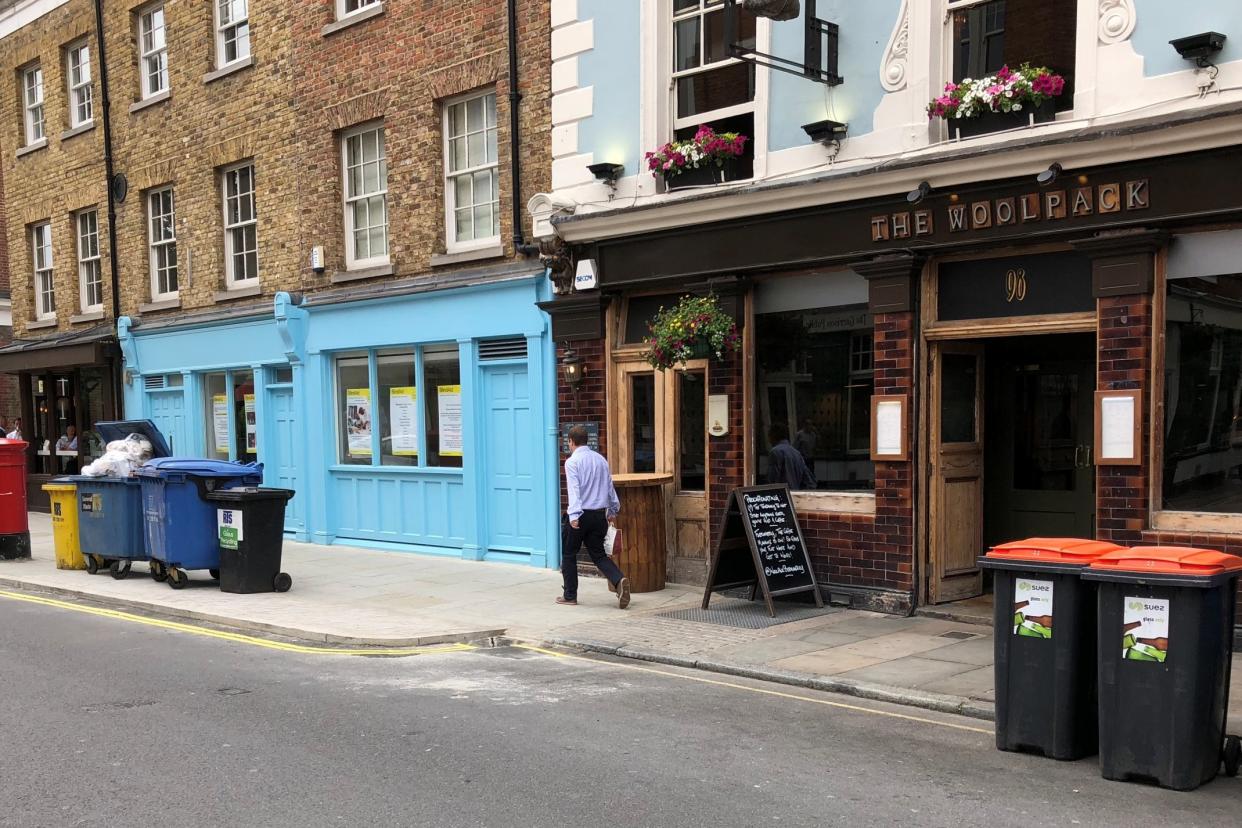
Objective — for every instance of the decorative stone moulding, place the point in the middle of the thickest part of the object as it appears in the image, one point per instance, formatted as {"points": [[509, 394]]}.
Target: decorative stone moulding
{"points": [[893, 66], [1117, 18]]}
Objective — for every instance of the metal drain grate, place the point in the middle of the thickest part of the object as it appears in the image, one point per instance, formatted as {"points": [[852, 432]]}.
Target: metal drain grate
{"points": [[960, 636], [746, 615]]}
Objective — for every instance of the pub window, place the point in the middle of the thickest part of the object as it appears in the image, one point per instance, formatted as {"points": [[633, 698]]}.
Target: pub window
{"points": [[1203, 395], [815, 377], [989, 34]]}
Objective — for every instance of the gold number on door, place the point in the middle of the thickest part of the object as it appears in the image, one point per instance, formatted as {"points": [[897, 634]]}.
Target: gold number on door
{"points": [[1015, 285]]}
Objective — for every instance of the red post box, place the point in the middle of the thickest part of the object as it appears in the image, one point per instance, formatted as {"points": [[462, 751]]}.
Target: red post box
{"points": [[14, 523]]}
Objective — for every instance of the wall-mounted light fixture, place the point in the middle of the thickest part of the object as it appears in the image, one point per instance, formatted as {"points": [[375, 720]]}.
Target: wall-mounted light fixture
{"points": [[1049, 175], [608, 173], [572, 368], [829, 133], [1200, 47], [919, 193]]}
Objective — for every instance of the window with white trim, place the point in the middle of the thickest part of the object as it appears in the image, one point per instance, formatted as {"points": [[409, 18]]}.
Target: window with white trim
{"points": [[32, 99], [81, 93], [44, 283], [241, 241], [366, 196], [154, 51], [344, 8], [472, 173], [232, 31], [707, 82], [90, 274], [162, 239]]}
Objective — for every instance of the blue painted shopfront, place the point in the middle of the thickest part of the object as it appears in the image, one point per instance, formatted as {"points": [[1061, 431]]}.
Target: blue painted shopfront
{"points": [[421, 422]]}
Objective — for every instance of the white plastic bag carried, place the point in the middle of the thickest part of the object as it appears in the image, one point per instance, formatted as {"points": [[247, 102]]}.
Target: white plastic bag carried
{"points": [[610, 540]]}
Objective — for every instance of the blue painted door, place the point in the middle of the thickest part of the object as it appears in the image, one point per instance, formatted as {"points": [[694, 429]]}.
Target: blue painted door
{"points": [[167, 411], [511, 461], [281, 454]]}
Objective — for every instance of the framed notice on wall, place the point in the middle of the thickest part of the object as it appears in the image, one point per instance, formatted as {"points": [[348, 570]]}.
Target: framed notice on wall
{"points": [[889, 432], [1118, 428]]}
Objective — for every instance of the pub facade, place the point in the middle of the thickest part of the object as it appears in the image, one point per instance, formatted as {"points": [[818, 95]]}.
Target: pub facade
{"points": [[1034, 330]]}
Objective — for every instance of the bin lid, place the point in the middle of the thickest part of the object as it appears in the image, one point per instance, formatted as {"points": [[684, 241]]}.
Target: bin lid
{"points": [[199, 467], [1074, 551], [1169, 560], [56, 486], [238, 494], [111, 430]]}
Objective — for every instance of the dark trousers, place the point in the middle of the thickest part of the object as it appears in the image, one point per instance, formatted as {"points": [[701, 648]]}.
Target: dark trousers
{"points": [[592, 527]]}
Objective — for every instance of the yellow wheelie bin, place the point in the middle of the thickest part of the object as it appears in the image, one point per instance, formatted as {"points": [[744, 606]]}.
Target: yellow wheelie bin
{"points": [[65, 524]]}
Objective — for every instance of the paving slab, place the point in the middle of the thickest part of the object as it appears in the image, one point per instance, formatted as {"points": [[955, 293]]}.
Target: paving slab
{"points": [[908, 672]]}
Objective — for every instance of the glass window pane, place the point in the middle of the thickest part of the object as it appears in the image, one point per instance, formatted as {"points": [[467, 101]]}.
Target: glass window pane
{"points": [[692, 430], [216, 415], [442, 377], [476, 149], [686, 49], [642, 423], [398, 410], [245, 416], [353, 389], [457, 154], [729, 85], [714, 40], [958, 390], [474, 114], [464, 221]]}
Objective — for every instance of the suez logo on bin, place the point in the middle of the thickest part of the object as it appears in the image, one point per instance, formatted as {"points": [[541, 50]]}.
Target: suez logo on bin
{"points": [[1032, 608], [1145, 629], [91, 504], [229, 527]]}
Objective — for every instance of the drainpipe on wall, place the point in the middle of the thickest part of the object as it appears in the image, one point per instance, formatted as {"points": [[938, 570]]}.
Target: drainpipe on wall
{"points": [[515, 158], [106, 107]]}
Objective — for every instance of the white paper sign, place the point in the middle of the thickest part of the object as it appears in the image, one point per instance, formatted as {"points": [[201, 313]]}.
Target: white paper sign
{"points": [[403, 416], [888, 428], [252, 428], [220, 422], [358, 421], [1145, 629], [449, 406], [1116, 428], [1032, 608], [718, 415]]}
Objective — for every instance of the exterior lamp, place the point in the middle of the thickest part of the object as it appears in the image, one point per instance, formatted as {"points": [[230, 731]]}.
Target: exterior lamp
{"points": [[608, 173], [572, 368], [1049, 175], [826, 131], [919, 193]]}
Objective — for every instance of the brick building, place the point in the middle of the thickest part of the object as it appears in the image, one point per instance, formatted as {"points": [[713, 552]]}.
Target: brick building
{"points": [[10, 400]]}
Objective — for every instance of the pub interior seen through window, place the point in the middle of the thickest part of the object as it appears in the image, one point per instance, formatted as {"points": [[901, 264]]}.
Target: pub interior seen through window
{"points": [[814, 370], [990, 34], [1203, 395]]}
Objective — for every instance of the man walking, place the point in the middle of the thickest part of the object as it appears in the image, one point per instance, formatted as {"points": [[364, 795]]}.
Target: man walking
{"points": [[593, 505]]}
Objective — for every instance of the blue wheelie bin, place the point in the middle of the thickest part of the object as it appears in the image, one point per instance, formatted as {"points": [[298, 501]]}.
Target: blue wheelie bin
{"points": [[178, 521], [110, 508]]}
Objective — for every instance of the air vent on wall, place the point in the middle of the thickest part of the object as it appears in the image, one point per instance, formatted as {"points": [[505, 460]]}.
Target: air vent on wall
{"points": [[153, 383], [496, 349]]}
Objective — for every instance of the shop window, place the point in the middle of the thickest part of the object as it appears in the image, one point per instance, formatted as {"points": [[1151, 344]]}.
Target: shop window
{"points": [[442, 378], [1203, 395], [231, 415], [989, 34], [815, 381], [353, 388], [398, 409]]}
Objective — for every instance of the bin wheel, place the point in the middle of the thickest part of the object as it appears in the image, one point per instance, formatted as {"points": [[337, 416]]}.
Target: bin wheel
{"points": [[282, 582], [215, 573], [1232, 754], [119, 569], [158, 571], [92, 564], [176, 578]]}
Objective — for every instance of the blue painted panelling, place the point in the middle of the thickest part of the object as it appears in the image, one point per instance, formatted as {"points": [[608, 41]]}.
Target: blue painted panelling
{"points": [[514, 519], [167, 410], [1159, 21], [612, 68], [209, 346], [282, 461], [793, 101], [399, 508]]}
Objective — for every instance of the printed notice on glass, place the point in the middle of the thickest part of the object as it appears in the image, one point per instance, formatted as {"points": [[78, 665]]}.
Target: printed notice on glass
{"points": [[1145, 629], [252, 426], [888, 417], [449, 406], [358, 421], [1117, 428], [403, 417], [220, 422]]}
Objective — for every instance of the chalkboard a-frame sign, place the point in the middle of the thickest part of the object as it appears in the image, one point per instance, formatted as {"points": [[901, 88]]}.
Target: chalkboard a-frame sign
{"points": [[760, 545]]}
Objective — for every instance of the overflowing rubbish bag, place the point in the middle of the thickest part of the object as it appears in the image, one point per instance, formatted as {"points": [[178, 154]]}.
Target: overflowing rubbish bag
{"points": [[121, 458]]}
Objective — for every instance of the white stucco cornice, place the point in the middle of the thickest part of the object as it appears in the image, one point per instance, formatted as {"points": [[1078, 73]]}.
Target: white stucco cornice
{"points": [[17, 14]]}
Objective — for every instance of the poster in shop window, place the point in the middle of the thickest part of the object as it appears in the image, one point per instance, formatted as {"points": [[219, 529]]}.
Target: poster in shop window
{"points": [[358, 421], [252, 426], [449, 405], [220, 421], [403, 413]]}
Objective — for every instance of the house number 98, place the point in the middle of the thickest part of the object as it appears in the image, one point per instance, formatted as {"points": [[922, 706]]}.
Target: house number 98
{"points": [[1015, 285]]}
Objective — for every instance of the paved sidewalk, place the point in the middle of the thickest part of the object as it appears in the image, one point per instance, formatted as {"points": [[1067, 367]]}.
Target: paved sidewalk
{"points": [[348, 595]]}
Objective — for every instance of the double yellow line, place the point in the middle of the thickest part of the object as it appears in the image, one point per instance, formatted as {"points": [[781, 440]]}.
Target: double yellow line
{"points": [[238, 638]]}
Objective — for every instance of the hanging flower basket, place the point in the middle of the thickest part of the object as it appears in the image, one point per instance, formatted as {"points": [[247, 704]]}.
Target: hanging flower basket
{"points": [[707, 158], [694, 328], [1006, 100]]}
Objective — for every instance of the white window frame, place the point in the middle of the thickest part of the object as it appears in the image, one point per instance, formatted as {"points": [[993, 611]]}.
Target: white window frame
{"points": [[33, 113], [701, 12], [352, 261], [155, 244], [90, 265], [450, 190], [81, 84], [157, 53], [45, 276], [225, 28], [229, 176], [343, 11]]}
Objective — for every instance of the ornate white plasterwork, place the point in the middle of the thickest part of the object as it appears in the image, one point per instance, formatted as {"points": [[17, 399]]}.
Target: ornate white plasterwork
{"points": [[893, 66], [1117, 18]]}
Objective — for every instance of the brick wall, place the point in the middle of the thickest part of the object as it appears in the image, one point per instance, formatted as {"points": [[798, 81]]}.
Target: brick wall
{"points": [[586, 403], [10, 400]]}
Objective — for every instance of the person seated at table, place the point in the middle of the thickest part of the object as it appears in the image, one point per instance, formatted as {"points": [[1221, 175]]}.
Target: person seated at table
{"points": [[69, 440], [16, 433]]}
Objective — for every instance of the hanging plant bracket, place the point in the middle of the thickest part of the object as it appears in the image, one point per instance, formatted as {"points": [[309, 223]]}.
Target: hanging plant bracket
{"points": [[821, 49]]}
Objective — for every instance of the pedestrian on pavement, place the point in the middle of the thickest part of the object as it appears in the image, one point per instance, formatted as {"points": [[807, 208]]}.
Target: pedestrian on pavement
{"points": [[593, 506], [785, 463]]}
